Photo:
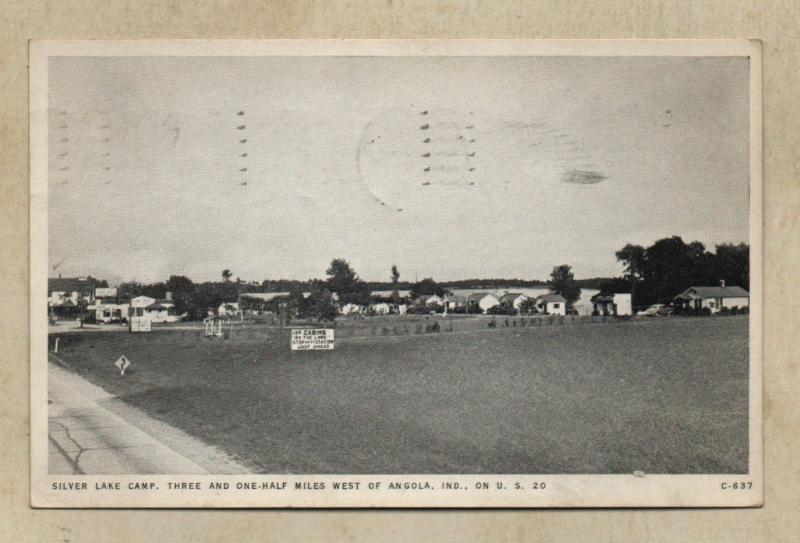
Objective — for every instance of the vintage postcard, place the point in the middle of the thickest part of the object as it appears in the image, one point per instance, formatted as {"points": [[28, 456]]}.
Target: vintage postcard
{"points": [[396, 273]]}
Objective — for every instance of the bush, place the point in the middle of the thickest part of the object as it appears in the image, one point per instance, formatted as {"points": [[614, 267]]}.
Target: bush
{"points": [[501, 310]]}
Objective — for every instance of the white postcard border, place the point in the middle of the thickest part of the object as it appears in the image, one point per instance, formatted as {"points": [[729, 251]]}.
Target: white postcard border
{"points": [[559, 490]]}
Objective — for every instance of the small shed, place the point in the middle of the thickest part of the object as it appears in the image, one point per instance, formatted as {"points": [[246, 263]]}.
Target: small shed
{"points": [[618, 304]]}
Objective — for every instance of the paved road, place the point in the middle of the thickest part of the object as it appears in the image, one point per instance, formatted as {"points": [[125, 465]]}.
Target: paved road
{"points": [[93, 433]]}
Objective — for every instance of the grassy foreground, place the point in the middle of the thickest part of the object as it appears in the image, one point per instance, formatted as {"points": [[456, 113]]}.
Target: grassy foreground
{"points": [[660, 396]]}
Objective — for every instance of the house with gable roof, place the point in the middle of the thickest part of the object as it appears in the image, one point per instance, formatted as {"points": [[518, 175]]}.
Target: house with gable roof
{"points": [[551, 304], [482, 300], [713, 298], [513, 300]]}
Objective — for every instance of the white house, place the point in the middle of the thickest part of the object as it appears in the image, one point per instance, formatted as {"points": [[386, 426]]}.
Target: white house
{"points": [[153, 309], [583, 307], [513, 299], [109, 310], [67, 293], [228, 309], [381, 308], [484, 300], [351, 309], [713, 298], [454, 301], [618, 304], [107, 292], [430, 300], [551, 304]]}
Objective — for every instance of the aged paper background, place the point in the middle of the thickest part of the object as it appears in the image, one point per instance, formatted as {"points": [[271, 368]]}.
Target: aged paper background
{"points": [[774, 22]]}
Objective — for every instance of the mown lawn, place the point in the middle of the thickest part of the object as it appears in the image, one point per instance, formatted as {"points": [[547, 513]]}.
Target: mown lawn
{"points": [[660, 396]]}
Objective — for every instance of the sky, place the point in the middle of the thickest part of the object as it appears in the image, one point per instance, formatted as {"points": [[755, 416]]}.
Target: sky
{"points": [[448, 167]]}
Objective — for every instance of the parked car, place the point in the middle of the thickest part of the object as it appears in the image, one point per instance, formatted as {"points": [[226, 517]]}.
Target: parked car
{"points": [[656, 310]]}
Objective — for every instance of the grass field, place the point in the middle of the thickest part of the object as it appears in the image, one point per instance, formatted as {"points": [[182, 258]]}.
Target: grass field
{"points": [[660, 396]]}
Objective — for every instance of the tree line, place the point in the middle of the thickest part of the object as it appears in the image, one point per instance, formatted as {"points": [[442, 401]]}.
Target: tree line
{"points": [[653, 274], [658, 273]]}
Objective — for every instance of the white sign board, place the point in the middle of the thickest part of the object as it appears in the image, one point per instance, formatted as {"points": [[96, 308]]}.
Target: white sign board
{"points": [[109, 292], [312, 339], [141, 325], [122, 363]]}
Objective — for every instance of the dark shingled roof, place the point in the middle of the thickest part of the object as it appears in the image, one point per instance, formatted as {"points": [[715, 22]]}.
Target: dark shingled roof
{"points": [[71, 284], [477, 296], [510, 296], [715, 292]]}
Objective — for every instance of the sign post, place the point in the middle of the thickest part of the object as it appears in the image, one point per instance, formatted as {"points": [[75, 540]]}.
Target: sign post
{"points": [[312, 339], [139, 324], [122, 363]]}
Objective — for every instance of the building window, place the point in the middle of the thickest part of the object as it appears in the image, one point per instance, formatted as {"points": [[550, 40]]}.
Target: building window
{"points": [[556, 306]]}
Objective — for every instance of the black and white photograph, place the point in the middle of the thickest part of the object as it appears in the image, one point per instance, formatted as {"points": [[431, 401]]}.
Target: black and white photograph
{"points": [[396, 274]]}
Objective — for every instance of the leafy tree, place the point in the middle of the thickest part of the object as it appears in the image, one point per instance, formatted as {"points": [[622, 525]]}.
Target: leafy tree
{"points": [[426, 287], [154, 290], [182, 289], [320, 305], [129, 289], [395, 281], [343, 280], [733, 264], [563, 282], [669, 266], [226, 275], [615, 285], [528, 306]]}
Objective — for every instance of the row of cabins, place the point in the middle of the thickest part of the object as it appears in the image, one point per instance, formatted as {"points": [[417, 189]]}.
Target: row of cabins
{"points": [[484, 302], [385, 302], [67, 297]]}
